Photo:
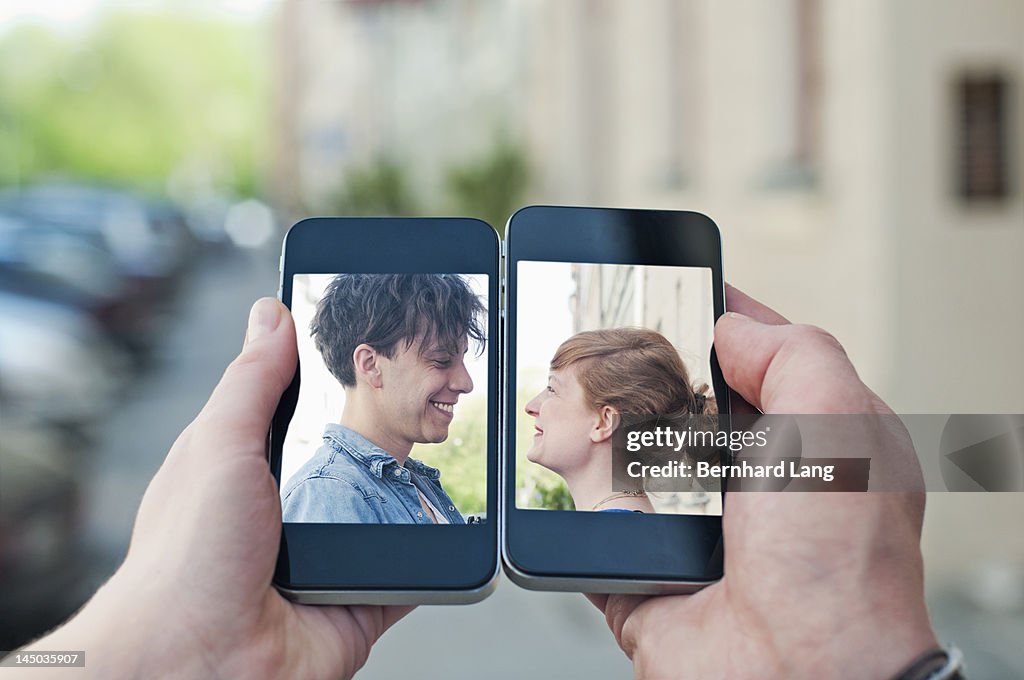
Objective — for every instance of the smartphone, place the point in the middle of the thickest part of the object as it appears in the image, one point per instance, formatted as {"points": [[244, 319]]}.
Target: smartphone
{"points": [[608, 312], [385, 445]]}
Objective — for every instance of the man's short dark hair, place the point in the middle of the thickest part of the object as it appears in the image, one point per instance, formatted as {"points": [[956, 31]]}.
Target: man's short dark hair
{"points": [[382, 310]]}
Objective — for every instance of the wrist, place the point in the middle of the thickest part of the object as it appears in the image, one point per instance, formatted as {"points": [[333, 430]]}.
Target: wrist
{"points": [[885, 654], [123, 632], [946, 663], [860, 645]]}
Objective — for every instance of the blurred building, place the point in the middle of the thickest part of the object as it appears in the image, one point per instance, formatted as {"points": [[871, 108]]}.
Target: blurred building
{"points": [[676, 302], [862, 159], [418, 82]]}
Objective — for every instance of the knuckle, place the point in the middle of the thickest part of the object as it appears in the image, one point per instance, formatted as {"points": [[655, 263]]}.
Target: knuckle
{"points": [[248, 366], [242, 361], [623, 620], [629, 641], [615, 617], [814, 336]]}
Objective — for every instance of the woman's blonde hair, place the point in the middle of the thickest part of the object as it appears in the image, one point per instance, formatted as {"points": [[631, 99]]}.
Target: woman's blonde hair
{"points": [[636, 371]]}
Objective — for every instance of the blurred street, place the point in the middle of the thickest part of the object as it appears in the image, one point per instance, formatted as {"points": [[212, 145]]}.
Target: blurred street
{"points": [[200, 340]]}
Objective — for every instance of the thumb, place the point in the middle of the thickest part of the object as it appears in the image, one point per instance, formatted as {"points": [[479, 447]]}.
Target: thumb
{"points": [[788, 368], [241, 406]]}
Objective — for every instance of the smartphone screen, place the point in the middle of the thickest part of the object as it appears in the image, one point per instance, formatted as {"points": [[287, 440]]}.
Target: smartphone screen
{"points": [[390, 426], [609, 327], [630, 337], [385, 445]]}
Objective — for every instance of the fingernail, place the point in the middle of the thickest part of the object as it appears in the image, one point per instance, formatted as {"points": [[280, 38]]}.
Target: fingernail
{"points": [[737, 316], [263, 318]]}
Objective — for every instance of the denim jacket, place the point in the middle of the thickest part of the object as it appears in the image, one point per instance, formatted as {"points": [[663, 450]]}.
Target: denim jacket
{"points": [[350, 480]]}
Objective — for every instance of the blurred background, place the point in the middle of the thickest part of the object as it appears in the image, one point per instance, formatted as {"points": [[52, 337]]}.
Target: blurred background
{"points": [[863, 160]]}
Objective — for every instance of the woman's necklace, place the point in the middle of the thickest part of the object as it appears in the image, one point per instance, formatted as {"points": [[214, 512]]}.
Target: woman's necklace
{"points": [[623, 494]]}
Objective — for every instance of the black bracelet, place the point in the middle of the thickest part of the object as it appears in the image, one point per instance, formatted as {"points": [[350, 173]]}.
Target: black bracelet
{"points": [[941, 663]]}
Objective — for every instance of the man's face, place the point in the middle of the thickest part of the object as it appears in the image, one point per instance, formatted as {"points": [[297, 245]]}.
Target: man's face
{"points": [[420, 388]]}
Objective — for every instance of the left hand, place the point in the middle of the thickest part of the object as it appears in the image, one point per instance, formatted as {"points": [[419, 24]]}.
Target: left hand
{"points": [[194, 595]]}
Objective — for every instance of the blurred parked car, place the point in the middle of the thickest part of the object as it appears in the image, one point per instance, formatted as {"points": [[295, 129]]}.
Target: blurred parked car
{"points": [[206, 219], [43, 563], [56, 366], [171, 227], [148, 239], [49, 262], [120, 255], [77, 259]]}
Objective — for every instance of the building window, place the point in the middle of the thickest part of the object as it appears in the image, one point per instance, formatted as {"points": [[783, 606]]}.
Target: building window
{"points": [[982, 159], [795, 67], [809, 78]]}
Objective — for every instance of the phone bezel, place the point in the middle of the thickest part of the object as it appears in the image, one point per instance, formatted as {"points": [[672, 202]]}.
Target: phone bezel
{"points": [[606, 552], [392, 563]]}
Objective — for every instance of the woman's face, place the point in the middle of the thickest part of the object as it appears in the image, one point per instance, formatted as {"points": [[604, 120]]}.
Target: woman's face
{"points": [[563, 423]]}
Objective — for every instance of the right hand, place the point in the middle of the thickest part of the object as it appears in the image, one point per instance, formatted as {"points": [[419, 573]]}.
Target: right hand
{"points": [[816, 584]]}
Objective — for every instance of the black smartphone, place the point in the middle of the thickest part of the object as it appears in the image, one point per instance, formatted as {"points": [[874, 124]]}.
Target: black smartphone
{"points": [[609, 313], [385, 445]]}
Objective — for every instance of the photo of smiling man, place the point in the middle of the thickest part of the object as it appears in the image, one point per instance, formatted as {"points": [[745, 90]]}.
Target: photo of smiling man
{"points": [[397, 344]]}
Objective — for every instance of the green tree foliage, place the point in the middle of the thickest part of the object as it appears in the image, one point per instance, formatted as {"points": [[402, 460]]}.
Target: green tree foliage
{"points": [[536, 487], [134, 99], [379, 188], [462, 458], [492, 186]]}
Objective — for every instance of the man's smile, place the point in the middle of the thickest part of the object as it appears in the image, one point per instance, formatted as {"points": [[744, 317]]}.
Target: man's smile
{"points": [[444, 407]]}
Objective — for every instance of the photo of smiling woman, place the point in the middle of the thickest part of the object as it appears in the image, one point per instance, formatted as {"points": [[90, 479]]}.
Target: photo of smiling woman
{"points": [[389, 362], [595, 342], [596, 377]]}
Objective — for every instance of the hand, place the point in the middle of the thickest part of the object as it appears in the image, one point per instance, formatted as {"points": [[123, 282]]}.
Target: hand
{"points": [[816, 584], [194, 596]]}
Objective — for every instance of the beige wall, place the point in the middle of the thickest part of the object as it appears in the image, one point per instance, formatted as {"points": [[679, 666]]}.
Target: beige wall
{"points": [[690, 104], [921, 289], [818, 253], [877, 250], [961, 320]]}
